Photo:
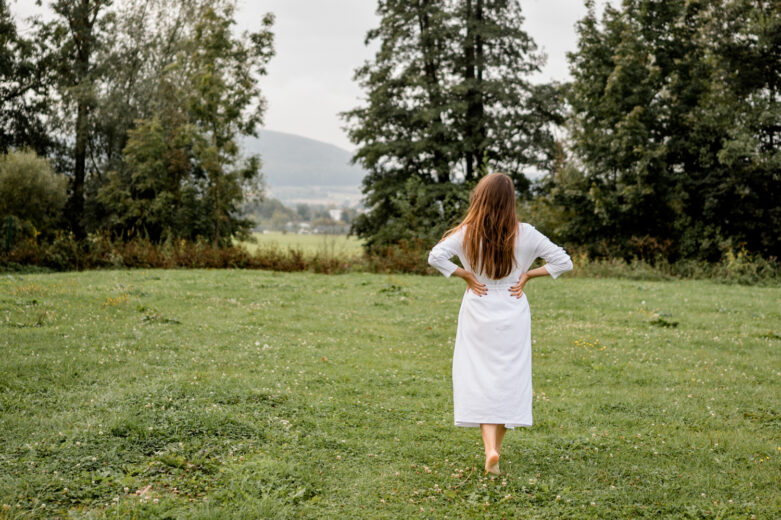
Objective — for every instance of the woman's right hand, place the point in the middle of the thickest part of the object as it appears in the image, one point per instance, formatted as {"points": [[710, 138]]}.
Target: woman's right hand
{"points": [[471, 281]]}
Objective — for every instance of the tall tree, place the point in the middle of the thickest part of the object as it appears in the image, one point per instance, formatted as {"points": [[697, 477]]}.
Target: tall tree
{"points": [[403, 131], [505, 120], [75, 37], [145, 39], [662, 96], [224, 102], [139, 84], [447, 96]]}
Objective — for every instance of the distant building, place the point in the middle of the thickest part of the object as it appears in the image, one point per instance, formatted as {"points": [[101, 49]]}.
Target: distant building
{"points": [[335, 214]]}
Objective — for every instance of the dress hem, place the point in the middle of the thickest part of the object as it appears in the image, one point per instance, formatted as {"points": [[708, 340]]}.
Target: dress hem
{"points": [[509, 425]]}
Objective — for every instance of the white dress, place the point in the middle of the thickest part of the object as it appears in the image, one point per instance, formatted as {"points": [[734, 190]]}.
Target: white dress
{"points": [[492, 360]]}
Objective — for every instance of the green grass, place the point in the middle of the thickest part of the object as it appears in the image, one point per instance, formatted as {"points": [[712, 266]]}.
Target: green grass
{"points": [[336, 245], [251, 394]]}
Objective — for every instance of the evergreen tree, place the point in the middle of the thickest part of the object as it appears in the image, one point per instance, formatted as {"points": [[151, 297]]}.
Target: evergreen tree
{"points": [[447, 98], [501, 119]]}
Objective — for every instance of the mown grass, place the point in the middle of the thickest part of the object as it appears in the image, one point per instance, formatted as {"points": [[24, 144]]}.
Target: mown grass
{"points": [[252, 394], [339, 245]]}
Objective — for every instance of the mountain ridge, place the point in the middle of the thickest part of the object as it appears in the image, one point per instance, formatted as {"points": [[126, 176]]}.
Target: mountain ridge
{"points": [[290, 160]]}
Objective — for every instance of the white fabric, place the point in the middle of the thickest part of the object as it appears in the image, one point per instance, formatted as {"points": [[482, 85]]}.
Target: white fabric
{"points": [[492, 361]]}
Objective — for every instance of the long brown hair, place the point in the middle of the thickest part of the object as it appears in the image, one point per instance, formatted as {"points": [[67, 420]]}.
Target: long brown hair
{"points": [[491, 226]]}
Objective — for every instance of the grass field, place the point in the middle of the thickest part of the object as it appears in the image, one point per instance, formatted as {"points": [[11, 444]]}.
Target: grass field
{"points": [[251, 394], [338, 245]]}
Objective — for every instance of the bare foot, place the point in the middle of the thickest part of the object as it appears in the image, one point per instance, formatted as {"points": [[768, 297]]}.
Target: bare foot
{"points": [[492, 462]]}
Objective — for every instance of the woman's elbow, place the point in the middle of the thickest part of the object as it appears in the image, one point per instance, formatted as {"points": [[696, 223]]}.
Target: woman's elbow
{"points": [[561, 265], [437, 261], [432, 259]]}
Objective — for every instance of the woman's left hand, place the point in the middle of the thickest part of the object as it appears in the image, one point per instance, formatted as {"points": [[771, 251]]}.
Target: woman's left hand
{"points": [[517, 289]]}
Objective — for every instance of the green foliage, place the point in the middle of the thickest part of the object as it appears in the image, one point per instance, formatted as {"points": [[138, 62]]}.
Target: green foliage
{"points": [[24, 83], [182, 175], [738, 267], [671, 151], [417, 212], [31, 191], [447, 99], [138, 78], [74, 40], [304, 211], [156, 194], [303, 396], [137, 50], [223, 100], [674, 131]]}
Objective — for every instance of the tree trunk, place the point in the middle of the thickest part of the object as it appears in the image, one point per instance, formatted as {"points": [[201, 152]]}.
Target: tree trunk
{"points": [[217, 179], [81, 24], [77, 194], [479, 107], [473, 76], [430, 66], [469, 76]]}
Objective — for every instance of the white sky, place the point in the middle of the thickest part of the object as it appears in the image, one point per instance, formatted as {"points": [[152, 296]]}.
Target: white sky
{"points": [[320, 42]]}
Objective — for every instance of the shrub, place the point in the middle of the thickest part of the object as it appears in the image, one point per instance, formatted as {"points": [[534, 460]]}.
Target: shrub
{"points": [[99, 251], [31, 192], [733, 267], [407, 256]]}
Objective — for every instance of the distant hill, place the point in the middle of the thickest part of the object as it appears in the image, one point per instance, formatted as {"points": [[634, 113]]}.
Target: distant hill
{"points": [[294, 161]]}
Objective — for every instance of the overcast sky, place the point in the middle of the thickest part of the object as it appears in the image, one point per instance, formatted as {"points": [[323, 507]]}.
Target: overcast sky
{"points": [[319, 43]]}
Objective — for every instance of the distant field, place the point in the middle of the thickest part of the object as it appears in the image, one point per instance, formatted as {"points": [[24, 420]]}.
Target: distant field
{"points": [[211, 394], [338, 244]]}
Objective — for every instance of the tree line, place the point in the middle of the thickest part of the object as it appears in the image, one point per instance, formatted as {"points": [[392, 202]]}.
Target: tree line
{"points": [[664, 144]]}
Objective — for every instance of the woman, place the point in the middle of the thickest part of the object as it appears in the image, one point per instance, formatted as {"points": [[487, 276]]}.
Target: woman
{"points": [[492, 378]]}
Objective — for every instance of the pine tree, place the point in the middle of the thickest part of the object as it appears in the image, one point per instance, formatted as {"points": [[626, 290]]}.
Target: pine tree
{"points": [[447, 100]]}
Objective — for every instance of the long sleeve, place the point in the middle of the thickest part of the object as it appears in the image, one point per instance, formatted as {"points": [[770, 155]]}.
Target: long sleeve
{"points": [[440, 255], [556, 258]]}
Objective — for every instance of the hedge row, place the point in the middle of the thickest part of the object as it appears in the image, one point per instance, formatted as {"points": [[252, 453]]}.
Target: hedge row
{"points": [[64, 253]]}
